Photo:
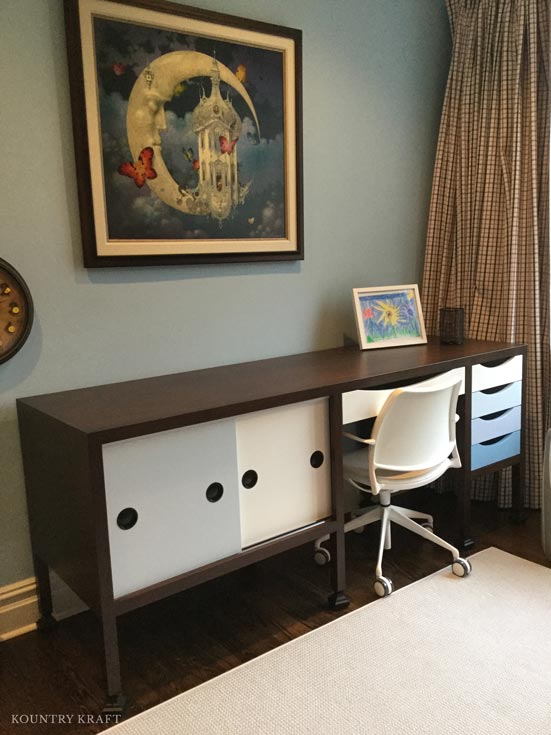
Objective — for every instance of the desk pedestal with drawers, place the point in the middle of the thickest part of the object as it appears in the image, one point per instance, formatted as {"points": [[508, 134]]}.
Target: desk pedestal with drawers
{"points": [[141, 489]]}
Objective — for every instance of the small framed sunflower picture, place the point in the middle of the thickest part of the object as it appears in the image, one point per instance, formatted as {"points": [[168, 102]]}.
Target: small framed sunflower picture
{"points": [[389, 316]]}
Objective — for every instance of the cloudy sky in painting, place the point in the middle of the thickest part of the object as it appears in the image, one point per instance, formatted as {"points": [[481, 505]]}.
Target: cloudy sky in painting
{"points": [[123, 51]]}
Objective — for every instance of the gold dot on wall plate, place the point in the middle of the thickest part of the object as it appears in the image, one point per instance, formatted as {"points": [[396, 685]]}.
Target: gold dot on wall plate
{"points": [[11, 328], [15, 310]]}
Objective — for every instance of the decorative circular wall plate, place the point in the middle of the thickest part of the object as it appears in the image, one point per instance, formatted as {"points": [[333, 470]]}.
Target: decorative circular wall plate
{"points": [[16, 311]]}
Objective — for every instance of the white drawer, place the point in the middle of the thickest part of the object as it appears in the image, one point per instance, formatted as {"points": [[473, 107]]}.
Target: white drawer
{"points": [[506, 397], [281, 490], [506, 422], [491, 376], [363, 404], [358, 405]]}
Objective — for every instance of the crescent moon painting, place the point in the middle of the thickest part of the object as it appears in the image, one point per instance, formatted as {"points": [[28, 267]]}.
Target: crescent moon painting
{"points": [[214, 120], [192, 137]]}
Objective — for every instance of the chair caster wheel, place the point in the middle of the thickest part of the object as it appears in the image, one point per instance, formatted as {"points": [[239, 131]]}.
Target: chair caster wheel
{"points": [[461, 567], [322, 556], [428, 526], [383, 586]]}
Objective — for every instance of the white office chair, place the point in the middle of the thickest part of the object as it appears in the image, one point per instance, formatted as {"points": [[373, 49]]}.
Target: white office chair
{"points": [[412, 444]]}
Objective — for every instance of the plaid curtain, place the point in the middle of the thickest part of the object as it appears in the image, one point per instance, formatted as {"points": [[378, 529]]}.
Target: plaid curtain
{"points": [[488, 234]]}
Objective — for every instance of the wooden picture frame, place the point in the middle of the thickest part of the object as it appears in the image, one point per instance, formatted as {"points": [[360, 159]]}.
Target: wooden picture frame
{"points": [[389, 316], [188, 134]]}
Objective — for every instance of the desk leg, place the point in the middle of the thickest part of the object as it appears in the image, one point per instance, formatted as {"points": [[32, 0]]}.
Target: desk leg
{"points": [[115, 698], [464, 482], [337, 600], [518, 512], [463, 479], [46, 620]]}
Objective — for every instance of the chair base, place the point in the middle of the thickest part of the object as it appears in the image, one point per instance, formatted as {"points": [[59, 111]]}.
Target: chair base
{"points": [[414, 521]]}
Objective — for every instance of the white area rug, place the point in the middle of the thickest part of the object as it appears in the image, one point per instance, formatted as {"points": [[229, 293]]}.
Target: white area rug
{"points": [[443, 655]]}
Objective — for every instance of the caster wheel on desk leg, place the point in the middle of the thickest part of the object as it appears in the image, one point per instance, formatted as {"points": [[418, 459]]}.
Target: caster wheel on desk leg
{"points": [[322, 556], [518, 516], [461, 567], [383, 586], [338, 601], [115, 705], [465, 543], [46, 623]]}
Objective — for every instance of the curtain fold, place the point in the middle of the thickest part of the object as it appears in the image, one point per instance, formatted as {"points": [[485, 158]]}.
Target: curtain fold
{"points": [[488, 234]]}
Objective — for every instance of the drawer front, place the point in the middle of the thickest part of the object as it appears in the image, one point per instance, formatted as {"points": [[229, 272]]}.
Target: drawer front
{"points": [[486, 454], [164, 478], [489, 377], [507, 397], [358, 405], [489, 428], [276, 449], [363, 404]]}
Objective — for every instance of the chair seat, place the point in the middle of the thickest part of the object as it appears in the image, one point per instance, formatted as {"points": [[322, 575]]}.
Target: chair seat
{"points": [[355, 467]]}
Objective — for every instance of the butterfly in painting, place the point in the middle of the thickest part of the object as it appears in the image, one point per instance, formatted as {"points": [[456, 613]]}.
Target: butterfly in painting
{"points": [[227, 146], [140, 170], [119, 69], [241, 73], [251, 220], [188, 153]]}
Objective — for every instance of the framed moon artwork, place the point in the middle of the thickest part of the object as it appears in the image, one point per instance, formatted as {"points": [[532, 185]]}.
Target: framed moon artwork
{"points": [[187, 127]]}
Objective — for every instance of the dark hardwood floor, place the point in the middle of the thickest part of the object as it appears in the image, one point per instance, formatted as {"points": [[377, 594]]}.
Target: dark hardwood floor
{"points": [[180, 642]]}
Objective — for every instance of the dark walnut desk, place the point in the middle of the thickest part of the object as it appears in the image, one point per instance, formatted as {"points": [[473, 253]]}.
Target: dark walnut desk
{"points": [[141, 489]]}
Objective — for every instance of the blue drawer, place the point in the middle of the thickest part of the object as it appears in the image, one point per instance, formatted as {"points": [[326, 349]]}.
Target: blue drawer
{"points": [[494, 451], [507, 397], [489, 428]]}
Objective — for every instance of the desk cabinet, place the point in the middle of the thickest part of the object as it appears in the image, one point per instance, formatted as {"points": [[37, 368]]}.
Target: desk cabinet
{"points": [[496, 410], [142, 489], [201, 493]]}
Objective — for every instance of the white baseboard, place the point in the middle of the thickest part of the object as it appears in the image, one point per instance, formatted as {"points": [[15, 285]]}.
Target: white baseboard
{"points": [[19, 606]]}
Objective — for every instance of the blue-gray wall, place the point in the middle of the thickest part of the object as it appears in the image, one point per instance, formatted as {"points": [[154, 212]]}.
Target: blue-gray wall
{"points": [[374, 77]]}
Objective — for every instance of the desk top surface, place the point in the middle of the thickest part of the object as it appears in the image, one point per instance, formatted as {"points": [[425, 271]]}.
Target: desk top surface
{"points": [[118, 410]]}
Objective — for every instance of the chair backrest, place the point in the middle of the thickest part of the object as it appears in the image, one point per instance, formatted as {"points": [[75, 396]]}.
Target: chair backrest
{"points": [[415, 428]]}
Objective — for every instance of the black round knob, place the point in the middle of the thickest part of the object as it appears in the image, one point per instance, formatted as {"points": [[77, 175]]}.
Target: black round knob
{"points": [[127, 518], [316, 460], [249, 479], [214, 492]]}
